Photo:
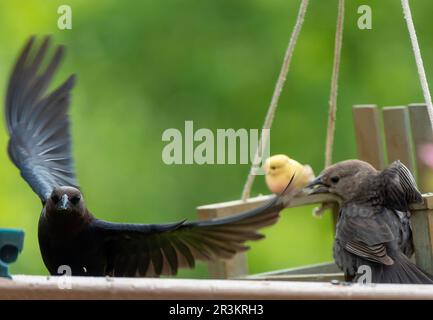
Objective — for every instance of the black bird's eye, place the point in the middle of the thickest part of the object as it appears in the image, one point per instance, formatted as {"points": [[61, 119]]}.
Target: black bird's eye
{"points": [[273, 167], [75, 199], [335, 179], [55, 198]]}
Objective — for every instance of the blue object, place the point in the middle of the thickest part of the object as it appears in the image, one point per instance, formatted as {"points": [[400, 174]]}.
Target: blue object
{"points": [[11, 244]]}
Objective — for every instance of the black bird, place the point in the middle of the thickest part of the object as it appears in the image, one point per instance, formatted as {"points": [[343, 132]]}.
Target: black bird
{"points": [[373, 227], [40, 146]]}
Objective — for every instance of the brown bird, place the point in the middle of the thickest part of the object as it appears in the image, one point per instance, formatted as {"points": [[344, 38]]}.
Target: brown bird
{"points": [[373, 227], [40, 146]]}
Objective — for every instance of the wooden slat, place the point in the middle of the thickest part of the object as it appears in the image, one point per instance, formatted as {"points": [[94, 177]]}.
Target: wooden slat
{"points": [[239, 205], [422, 221], [422, 133], [325, 267], [397, 135], [427, 204], [318, 268], [309, 277], [226, 208], [366, 119], [85, 288], [298, 201], [422, 228]]}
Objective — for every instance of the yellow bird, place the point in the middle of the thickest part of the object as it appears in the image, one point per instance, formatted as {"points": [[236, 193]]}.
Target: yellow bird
{"points": [[279, 169]]}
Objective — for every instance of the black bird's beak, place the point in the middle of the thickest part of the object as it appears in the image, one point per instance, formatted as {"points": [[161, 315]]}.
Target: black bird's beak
{"points": [[317, 186], [63, 203]]}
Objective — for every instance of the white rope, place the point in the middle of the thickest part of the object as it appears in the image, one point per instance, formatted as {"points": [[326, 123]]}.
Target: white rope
{"points": [[274, 102], [418, 58], [334, 85]]}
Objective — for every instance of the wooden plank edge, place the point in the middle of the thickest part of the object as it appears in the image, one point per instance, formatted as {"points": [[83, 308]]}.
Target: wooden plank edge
{"points": [[314, 277], [325, 267], [309, 200], [40, 287]]}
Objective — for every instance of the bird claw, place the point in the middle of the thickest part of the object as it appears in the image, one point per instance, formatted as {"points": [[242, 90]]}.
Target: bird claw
{"points": [[336, 282]]}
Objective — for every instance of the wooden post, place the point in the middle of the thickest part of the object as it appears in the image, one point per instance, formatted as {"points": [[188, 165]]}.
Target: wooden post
{"points": [[368, 138], [422, 133], [397, 135], [422, 220], [422, 228], [237, 266]]}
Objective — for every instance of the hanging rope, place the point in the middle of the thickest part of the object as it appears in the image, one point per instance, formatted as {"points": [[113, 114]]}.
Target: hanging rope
{"points": [[264, 138], [334, 85], [418, 58]]}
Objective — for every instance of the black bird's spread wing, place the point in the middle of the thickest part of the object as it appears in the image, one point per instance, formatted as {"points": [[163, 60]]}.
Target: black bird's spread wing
{"points": [[38, 123], [399, 188], [364, 233], [153, 250]]}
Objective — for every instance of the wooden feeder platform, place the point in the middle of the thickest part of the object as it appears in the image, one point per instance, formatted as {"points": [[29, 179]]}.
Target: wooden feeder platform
{"points": [[382, 136]]}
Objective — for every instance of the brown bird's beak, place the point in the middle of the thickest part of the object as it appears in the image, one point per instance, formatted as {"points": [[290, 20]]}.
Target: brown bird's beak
{"points": [[63, 203], [317, 186]]}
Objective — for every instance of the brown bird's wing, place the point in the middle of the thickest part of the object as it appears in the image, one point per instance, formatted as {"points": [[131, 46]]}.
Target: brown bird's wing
{"points": [[399, 187], [153, 250], [38, 123], [375, 253], [364, 232]]}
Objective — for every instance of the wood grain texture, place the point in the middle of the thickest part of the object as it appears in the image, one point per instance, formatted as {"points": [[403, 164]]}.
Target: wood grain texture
{"points": [[85, 288], [396, 125], [422, 227], [422, 133], [327, 271], [422, 221], [366, 119]]}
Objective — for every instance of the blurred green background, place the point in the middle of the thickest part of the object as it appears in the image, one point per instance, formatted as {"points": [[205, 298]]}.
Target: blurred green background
{"points": [[145, 66]]}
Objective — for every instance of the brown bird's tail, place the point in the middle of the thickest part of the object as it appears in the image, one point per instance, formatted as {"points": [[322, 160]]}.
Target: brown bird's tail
{"points": [[402, 271]]}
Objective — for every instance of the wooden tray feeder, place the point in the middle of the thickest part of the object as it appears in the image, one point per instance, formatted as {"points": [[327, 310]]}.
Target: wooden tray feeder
{"points": [[405, 129]]}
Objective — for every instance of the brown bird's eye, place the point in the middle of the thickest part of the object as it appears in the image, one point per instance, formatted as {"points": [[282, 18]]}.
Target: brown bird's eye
{"points": [[273, 167], [75, 199], [335, 179], [55, 198]]}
